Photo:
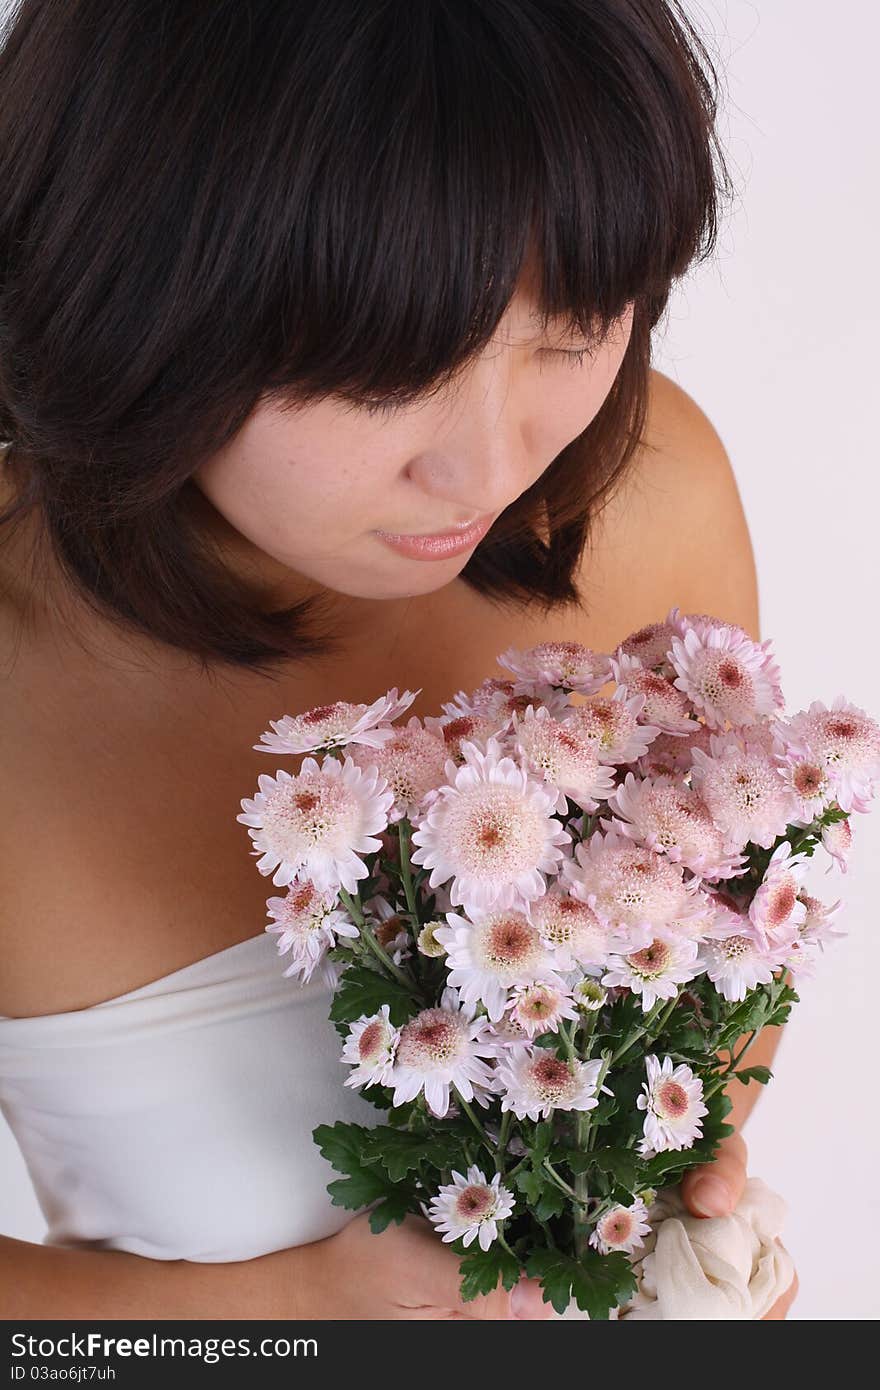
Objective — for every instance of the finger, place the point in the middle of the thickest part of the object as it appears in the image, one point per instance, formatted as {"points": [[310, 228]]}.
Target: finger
{"points": [[714, 1189], [781, 1306]]}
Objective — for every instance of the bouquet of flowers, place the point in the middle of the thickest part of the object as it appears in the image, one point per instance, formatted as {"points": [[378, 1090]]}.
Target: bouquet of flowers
{"points": [[554, 918]]}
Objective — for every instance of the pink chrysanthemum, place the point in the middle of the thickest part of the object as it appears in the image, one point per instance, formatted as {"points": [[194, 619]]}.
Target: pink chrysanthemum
{"points": [[563, 756], [390, 928], [571, 928], [740, 783], [540, 1007], [837, 840], [491, 831], [664, 706], [634, 890], [477, 701], [334, 726], [621, 1228], [566, 664], [806, 776], [670, 755], [533, 1082], [469, 1208], [506, 706], [816, 926], [460, 728], [650, 644], [441, 1048], [612, 723], [673, 1103], [370, 1049], [736, 962], [486, 957], [847, 741], [412, 761], [727, 676], [674, 819], [318, 823], [308, 923], [506, 1033], [776, 912], [656, 971]]}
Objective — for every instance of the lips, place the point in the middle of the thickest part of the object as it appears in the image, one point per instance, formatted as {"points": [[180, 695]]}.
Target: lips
{"points": [[437, 545]]}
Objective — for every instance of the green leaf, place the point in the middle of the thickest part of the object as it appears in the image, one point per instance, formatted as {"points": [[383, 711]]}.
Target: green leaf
{"points": [[399, 1151], [362, 991], [342, 1145], [760, 1074], [481, 1270], [358, 1190], [597, 1282], [532, 1182], [393, 1208], [552, 1202]]}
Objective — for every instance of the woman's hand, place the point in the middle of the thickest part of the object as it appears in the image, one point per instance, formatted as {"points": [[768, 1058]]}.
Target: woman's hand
{"points": [[714, 1189], [406, 1272]]}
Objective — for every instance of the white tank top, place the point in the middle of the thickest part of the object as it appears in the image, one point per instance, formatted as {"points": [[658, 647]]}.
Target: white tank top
{"points": [[176, 1121]]}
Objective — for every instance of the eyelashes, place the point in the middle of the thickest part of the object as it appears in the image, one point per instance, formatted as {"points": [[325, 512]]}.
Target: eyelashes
{"points": [[574, 356]]}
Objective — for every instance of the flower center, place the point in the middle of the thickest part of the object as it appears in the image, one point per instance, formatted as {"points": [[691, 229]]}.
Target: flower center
{"points": [[671, 1100], [551, 1077], [371, 1041], [474, 1201], [433, 1038], [781, 904], [509, 942], [652, 961]]}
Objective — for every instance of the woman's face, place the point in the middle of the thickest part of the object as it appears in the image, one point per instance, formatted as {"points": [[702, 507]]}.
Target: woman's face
{"points": [[304, 496]]}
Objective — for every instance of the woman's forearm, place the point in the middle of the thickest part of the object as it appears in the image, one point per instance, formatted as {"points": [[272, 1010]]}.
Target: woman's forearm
{"points": [[761, 1053], [53, 1282]]}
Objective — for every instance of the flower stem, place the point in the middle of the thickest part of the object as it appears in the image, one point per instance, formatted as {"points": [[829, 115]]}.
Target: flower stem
{"points": [[659, 1015], [403, 829], [561, 1183], [378, 951], [502, 1139], [468, 1110]]}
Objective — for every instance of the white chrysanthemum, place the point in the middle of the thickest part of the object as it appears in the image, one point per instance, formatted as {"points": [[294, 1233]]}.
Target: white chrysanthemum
{"points": [[469, 1208], [589, 996], [308, 923], [634, 890], [672, 818], [571, 928], [612, 724], [621, 1228], [490, 831], [567, 759], [412, 762], [540, 1007], [735, 962], [566, 664], [727, 676], [477, 701], [488, 956], [318, 823], [506, 1033], [533, 1082], [427, 942], [664, 705], [334, 726], [672, 1099], [740, 783], [656, 971], [776, 912], [847, 741], [370, 1049], [441, 1048]]}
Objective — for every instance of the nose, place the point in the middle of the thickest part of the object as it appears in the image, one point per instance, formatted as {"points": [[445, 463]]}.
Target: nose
{"points": [[480, 462]]}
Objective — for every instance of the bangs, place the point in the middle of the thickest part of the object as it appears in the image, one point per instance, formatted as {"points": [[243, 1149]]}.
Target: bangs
{"points": [[208, 204], [456, 147]]}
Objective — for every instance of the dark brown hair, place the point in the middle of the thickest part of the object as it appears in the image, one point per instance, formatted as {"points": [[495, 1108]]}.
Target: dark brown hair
{"points": [[210, 201]]}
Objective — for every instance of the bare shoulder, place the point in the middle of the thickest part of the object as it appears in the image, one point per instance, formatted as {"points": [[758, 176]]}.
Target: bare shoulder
{"points": [[674, 531]]}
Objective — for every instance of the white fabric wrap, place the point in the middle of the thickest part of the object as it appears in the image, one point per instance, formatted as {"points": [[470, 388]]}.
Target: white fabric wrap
{"points": [[710, 1268]]}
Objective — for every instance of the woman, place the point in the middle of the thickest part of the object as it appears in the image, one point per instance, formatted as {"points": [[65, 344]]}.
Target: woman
{"points": [[286, 290]]}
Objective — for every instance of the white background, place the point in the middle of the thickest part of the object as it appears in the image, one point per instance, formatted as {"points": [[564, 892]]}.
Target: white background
{"points": [[776, 340]]}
